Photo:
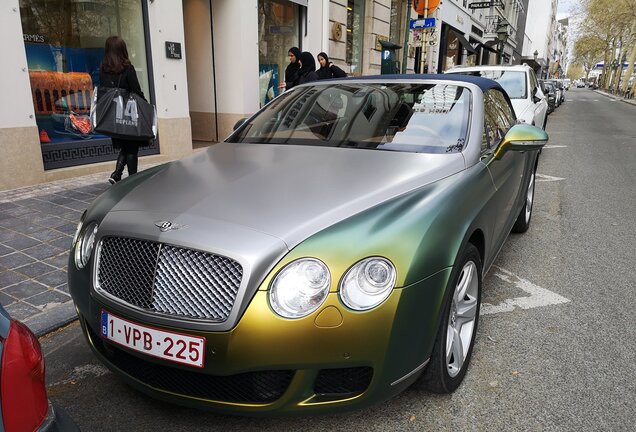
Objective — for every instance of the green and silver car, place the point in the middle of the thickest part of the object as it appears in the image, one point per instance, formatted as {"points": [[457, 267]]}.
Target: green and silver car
{"points": [[324, 257]]}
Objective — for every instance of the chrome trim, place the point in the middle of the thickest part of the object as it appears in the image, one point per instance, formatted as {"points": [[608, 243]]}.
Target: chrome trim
{"points": [[410, 374]]}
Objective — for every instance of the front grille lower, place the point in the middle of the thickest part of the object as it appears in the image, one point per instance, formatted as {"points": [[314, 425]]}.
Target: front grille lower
{"points": [[343, 382], [251, 387], [167, 279]]}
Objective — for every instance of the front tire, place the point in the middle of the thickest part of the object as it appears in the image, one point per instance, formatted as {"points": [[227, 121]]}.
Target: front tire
{"points": [[523, 220], [456, 334]]}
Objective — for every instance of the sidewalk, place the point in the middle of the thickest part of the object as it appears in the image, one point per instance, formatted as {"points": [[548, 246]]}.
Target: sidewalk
{"points": [[629, 101], [37, 224]]}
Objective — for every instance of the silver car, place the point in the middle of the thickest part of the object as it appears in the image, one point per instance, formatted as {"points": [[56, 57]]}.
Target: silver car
{"points": [[324, 257]]}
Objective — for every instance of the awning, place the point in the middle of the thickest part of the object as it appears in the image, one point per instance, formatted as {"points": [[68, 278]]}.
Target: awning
{"points": [[467, 46]]}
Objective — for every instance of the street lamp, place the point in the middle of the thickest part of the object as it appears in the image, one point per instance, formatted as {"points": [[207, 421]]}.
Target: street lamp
{"points": [[502, 37]]}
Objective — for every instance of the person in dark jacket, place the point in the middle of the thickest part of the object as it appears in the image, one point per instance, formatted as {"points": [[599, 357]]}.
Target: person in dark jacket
{"points": [[328, 70], [307, 72], [291, 71], [116, 71]]}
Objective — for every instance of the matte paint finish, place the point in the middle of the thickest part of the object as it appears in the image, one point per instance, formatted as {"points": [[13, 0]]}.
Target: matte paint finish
{"points": [[289, 192], [267, 205]]}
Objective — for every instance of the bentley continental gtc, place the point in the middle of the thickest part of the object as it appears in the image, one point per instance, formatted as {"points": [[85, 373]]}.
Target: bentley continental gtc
{"points": [[324, 257]]}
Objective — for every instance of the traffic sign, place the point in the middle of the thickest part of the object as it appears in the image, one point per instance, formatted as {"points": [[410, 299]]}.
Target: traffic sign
{"points": [[422, 23]]}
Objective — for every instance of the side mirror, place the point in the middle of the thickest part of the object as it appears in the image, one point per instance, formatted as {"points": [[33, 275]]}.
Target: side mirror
{"points": [[522, 137], [239, 123]]}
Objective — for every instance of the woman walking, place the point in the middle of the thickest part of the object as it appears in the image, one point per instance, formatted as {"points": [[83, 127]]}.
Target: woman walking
{"points": [[116, 71], [291, 71], [328, 70], [307, 72]]}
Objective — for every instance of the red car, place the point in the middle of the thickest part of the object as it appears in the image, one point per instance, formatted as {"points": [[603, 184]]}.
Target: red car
{"points": [[24, 403]]}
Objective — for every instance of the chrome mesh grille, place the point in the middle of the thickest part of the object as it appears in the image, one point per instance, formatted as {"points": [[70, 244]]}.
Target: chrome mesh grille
{"points": [[168, 279]]}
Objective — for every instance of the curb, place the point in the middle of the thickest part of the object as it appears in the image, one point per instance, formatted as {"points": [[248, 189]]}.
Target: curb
{"points": [[627, 101], [52, 319]]}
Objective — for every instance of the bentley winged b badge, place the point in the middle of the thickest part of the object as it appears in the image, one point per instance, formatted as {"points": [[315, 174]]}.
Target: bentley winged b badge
{"points": [[169, 226]]}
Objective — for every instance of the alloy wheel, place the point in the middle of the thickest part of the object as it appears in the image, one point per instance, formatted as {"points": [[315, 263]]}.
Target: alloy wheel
{"points": [[461, 320], [529, 198]]}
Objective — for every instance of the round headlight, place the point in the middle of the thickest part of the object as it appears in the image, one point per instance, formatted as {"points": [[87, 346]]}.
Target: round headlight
{"points": [[78, 229], [368, 283], [84, 245], [300, 288]]}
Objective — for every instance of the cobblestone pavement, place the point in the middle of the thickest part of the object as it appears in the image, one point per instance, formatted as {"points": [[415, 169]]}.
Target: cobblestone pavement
{"points": [[37, 225]]}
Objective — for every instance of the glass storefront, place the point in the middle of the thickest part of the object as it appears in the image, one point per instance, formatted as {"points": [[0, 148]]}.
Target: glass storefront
{"points": [[64, 43], [355, 35], [453, 52], [278, 31]]}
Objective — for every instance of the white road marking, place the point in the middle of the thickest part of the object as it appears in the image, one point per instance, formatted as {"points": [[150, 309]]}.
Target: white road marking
{"points": [[547, 178], [595, 100], [554, 146], [539, 297]]}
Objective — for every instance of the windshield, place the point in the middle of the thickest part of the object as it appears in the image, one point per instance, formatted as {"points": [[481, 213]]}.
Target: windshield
{"points": [[406, 117], [513, 82]]}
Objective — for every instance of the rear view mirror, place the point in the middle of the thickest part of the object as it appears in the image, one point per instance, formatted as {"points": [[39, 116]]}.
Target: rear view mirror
{"points": [[522, 137], [239, 123]]}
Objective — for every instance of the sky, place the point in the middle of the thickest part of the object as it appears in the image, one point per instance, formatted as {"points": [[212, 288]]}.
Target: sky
{"points": [[565, 6]]}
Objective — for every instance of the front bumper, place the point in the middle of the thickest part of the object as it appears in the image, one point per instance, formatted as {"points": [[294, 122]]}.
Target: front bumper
{"points": [[330, 360]]}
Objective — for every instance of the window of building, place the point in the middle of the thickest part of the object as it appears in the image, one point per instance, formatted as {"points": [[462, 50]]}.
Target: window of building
{"points": [[64, 44], [278, 31], [355, 35], [453, 51], [396, 30]]}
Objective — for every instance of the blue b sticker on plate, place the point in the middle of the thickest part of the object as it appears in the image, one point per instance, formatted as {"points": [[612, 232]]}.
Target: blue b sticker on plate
{"points": [[104, 327]]}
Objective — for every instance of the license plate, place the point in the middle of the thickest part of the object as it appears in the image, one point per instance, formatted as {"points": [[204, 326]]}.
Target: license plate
{"points": [[171, 346]]}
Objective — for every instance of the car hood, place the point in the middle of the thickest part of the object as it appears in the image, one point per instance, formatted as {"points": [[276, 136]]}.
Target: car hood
{"points": [[288, 192]]}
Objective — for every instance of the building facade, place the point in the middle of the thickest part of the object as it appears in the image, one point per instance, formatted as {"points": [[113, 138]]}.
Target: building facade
{"points": [[206, 64]]}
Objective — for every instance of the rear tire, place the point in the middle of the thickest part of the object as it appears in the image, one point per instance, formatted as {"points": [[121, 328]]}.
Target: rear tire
{"points": [[523, 220], [456, 334]]}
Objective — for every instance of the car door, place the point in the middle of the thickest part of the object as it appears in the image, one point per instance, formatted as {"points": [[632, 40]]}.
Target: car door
{"points": [[539, 101], [507, 173]]}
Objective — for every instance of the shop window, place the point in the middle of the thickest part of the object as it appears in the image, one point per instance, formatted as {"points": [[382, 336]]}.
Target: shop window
{"points": [[396, 30], [355, 35], [64, 44], [453, 51], [278, 31]]}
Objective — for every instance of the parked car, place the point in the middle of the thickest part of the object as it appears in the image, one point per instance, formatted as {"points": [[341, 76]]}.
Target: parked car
{"points": [[520, 82], [549, 90], [326, 256], [566, 83], [25, 406], [560, 91]]}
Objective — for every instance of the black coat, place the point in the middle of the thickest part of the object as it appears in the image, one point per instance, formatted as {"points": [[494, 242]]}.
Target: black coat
{"points": [[331, 71], [126, 80], [307, 72]]}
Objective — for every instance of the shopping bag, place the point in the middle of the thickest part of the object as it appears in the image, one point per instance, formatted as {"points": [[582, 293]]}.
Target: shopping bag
{"points": [[118, 113]]}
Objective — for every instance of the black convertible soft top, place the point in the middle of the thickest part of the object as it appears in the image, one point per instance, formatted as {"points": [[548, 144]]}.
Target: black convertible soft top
{"points": [[483, 83]]}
